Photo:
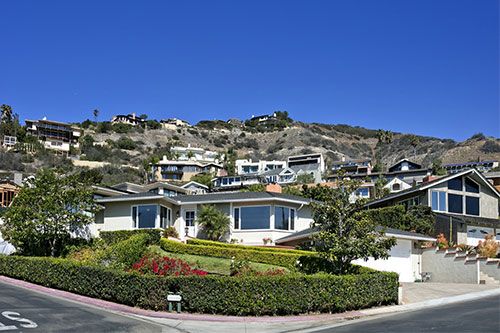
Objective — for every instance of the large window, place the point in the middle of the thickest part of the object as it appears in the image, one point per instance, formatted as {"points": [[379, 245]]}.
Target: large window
{"points": [[455, 184], [283, 218], [165, 217], [189, 217], [472, 205], [144, 216], [255, 217], [455, 203], [438, 201], [471, 186]]}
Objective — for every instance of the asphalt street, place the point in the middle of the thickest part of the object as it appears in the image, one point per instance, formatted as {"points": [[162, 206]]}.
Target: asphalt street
{"points": [[476, 316], [22, 310]]}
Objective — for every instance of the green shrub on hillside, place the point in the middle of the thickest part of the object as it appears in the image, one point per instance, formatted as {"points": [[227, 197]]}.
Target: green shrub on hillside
{"points": [[125, 253], [112, 237], [252, 295], [196, 241], [287, 260]]}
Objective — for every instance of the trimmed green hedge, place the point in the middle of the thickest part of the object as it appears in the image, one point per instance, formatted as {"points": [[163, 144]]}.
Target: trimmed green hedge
{"points": [[287, 260], [195, 241], [112, 237], [127, 252], [267, 295]]}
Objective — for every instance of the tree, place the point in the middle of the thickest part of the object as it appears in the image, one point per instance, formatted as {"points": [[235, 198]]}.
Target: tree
{"points": [[47, 211], [305, 178], [379, 189], [254, 188], [414, 142], [384, 136], [343, 234], [96, 114], [437, 168], [190, 155], [203, 178], [214, 222], [6, 113]]}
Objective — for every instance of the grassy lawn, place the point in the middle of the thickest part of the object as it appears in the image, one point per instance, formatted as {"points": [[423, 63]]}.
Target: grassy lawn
{"points": [[210, 264]]}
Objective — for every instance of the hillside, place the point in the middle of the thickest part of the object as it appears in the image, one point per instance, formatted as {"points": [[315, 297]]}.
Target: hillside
{"points": [[136, 146]]}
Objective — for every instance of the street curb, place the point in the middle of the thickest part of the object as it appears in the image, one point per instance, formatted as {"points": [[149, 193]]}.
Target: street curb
{"points": [[350, 315]]}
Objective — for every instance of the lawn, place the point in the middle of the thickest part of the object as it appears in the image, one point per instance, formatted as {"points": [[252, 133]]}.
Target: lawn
{"points": [[210, 264]]}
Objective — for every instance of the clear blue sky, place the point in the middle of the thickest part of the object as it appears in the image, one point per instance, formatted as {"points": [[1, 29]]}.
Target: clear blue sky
{"points": [[429, 67]]}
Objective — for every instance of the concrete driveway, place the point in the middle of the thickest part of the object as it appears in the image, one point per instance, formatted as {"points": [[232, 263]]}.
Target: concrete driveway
{"points": [[420, 292]]}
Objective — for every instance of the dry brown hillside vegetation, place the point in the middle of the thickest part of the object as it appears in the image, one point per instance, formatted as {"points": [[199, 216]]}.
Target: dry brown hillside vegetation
{"points": [[136, 146]]}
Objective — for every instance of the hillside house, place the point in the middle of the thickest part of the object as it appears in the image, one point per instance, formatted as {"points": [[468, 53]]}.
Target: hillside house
{"points": [[129, 119], [54, 135], [170, 170], [466, 205], [173, 123]]}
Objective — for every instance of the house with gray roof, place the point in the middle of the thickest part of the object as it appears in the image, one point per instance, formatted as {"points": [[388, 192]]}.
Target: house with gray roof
{"points": [[466, 205], [254, 216]]}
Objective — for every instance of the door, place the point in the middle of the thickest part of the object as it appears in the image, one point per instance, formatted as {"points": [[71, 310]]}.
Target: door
{"points": [[190, 227]]}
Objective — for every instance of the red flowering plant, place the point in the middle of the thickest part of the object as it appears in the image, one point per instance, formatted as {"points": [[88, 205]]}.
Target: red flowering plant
{"points": [[165, 266]]}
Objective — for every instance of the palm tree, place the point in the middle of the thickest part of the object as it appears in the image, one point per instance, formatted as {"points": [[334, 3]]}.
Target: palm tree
{"points": [[96, 114], [6, 113]]}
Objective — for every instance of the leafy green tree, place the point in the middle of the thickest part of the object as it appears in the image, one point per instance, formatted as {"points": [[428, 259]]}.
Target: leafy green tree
{"points": [[215, 223], [6, 113], [343, 234], [47, 210], [305, 178], [379, 189], [418, 219], [203, 178], [437, 168]]}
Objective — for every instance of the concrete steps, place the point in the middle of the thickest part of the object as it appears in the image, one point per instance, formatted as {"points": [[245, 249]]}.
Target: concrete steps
{"points": [[486, 279]]}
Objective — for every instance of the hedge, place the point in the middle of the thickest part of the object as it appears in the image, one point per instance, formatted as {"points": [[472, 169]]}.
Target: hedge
{"points": [[126, 252], [268, 295], [195, 241], [287, 260], [112, 237]]}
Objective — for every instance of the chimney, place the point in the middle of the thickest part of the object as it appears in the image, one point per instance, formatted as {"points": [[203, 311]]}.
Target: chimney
{"points": [[429, 178], [342, 159], [18, 178], [133, 115], [273, 188]]}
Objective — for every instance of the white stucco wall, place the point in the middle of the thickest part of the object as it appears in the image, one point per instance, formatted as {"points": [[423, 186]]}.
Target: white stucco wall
{"points": [[400, 261]]}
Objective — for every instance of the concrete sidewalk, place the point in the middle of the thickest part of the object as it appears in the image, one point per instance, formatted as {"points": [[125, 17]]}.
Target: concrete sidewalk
{"points": [[417, 296]]}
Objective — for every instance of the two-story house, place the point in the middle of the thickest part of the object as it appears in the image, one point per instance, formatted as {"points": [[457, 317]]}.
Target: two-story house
{"points": [[466, 205]]}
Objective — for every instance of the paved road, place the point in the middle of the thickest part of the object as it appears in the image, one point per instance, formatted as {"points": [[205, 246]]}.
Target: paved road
{"points": [[22, 310], [474, 316]]}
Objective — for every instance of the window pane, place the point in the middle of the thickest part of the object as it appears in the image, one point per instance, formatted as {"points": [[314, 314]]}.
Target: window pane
{"points": [[134, 216], [435, 203], [147, 216], [255, 217], [472, 205], [189, 218], [455, 184], [281, 217], [455, 204], [292, 219], [236, 218], [471, 186], [442, 201]]}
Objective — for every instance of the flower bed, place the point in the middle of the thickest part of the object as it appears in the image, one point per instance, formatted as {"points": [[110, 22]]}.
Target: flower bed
{"points": [[248, 295]]}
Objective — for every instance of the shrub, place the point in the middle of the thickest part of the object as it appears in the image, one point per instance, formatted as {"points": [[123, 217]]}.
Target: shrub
{"points": [[287, 260], [442, 242], [112, 237], [125, 253], [215, 223], [489, 247], [253, 295], [170, 232], [164, 266], [195, 241]]}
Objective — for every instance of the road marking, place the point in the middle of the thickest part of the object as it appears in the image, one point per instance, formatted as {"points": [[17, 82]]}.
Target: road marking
{"points": [[15, 316]]}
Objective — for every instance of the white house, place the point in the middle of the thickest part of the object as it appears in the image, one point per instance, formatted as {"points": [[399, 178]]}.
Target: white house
{"points": [[254, 215]]}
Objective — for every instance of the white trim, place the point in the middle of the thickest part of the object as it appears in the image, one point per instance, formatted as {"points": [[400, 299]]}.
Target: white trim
{"points": [[236, 201]]}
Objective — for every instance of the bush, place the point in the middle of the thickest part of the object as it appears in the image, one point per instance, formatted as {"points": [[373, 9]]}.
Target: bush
{"points": [[287, 260], [489, 247], [252, 295], [164, 266], [170, 232], [125, 253], [112, 237], [195, 241]]}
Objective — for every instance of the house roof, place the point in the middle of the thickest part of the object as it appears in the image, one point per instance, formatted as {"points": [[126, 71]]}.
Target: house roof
{"points": [[222, 197], [418, 166], [348, 162], [164, 185], [195, 184], [241, 197], [390, 232], [427, 185], [276, 171], [468, 164]]}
